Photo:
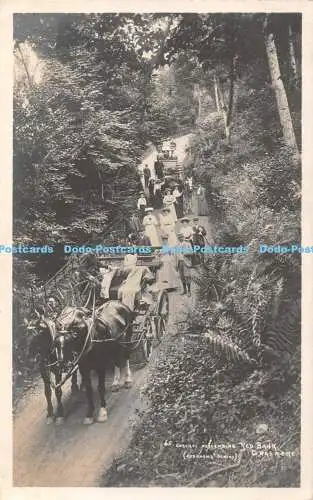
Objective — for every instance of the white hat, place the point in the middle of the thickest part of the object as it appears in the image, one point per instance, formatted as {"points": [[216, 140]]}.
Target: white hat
{"points": [[149, 209], [130, 259]]}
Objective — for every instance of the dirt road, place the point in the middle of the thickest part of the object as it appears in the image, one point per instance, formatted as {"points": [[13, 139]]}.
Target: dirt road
{"points": [[74, 454], [182, 143]]}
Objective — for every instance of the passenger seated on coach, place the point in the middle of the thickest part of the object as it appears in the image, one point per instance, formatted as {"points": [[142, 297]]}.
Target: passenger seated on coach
{"points": [[136, 288]]}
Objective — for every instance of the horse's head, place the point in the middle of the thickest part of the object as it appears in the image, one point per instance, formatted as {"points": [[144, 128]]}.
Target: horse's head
{"points": [[71, 330], [40, 333]]}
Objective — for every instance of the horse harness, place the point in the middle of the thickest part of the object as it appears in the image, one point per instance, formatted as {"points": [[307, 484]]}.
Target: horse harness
{"points": [[89, 340]]}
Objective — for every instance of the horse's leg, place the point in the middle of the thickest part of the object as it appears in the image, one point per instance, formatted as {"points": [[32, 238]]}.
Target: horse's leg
{"points": [[102, 414], [80, 379], [74, 384], [116, 385], [45, 375], [128, 380], [125, 354], [86, 381], [58, 393]]}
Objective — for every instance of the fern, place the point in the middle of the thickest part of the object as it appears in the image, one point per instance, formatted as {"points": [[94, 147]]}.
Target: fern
{"points": [[227, 348], [284, 332]]}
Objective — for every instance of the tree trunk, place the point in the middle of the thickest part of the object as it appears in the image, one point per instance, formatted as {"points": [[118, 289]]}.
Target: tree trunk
{"points": [[292, 55], [197, 95], [30, 82], [216, 92], [151, 67], [231, 98], [280, 93], [199, 103], [224, 109], [199, 106], [227, 111]]}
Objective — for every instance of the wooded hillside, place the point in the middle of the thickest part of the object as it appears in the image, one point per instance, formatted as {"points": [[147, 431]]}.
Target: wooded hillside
{"points": [[107, 85]]}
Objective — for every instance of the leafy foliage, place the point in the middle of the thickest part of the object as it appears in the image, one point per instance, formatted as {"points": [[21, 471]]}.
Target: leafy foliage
{"points": [[196, 400], [239, 363], [71, 133], [79, 134]]}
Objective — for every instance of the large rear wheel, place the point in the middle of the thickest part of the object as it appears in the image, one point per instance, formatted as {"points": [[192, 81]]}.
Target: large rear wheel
{"points": [[146, 343], [162, 314], [160, 328], [163, 305]]}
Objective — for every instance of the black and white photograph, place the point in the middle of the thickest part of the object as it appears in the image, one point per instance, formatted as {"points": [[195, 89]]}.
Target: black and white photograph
{"points": [[156, 248]]}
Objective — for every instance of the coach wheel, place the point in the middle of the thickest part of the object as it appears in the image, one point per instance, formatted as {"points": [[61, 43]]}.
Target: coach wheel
{"points": [[163, 306], [160, 328], [147, 339]]}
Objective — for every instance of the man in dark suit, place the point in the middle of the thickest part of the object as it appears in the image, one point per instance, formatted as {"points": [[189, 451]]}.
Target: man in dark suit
{"points": [[147, 175], [158, 168], [199, 233], [198, 238]]}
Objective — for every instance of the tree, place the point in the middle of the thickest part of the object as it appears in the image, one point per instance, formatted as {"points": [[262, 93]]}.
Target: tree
{"points": [[226, 46], [217, 94], [292, 54], [278, 84], [79, 133], [213, 39]]}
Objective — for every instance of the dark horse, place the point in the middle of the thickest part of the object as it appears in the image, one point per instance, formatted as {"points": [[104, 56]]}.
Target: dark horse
{"points": [[41, 346], [94, 341]]}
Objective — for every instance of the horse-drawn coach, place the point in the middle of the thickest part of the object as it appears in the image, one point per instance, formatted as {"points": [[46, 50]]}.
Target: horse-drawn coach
{"points": [[106, 314]]}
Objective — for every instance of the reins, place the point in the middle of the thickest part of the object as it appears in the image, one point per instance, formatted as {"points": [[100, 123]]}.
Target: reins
{"points": [[76, 362], [88, 339], [88, 299]]}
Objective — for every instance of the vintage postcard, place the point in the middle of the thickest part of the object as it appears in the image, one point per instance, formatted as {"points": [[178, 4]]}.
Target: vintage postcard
{"points": [[156, 249]]}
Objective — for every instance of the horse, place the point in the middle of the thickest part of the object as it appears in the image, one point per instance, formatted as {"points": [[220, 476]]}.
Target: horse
{"points": [[97, 338], [41, 347]]}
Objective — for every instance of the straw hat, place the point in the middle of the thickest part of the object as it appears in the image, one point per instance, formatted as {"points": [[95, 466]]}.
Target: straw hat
{"points": [[149, 209], [185, 219]]}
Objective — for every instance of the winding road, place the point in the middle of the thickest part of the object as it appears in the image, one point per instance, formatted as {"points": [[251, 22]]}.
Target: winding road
{"points": [[74, 454]]}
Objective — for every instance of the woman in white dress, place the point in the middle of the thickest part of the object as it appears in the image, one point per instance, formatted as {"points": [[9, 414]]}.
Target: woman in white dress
{"points": [[150, 223], [168, 226], [167, 276], [179, 202], [169, 202], [201, 203]]}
